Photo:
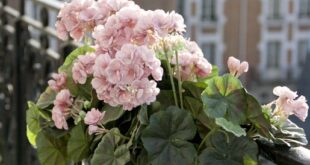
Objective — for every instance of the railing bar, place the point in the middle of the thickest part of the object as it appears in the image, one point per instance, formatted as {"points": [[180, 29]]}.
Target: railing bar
{"points": [[9, 29], [54, 5], [38, 25], [37, 45], [11, 11]]}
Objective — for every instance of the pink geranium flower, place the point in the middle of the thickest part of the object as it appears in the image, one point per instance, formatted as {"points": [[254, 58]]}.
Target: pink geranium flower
{"points": [[58, 82], [93, 117], [116, 78], [287, 104], [83, 67], [61, 109], [235, 67]]}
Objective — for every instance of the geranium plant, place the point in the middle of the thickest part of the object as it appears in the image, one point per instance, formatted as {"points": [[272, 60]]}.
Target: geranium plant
{"points": [[138, 92]]}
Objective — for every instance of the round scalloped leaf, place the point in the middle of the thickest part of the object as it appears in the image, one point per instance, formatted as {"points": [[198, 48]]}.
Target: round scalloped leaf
{"points": [[112, 113], [51, 150], [32, 118], [225, 97], [225, 148], [230, 127], [256, 116], [79, 143], [109, 152], [290, 134], [165, 138]]}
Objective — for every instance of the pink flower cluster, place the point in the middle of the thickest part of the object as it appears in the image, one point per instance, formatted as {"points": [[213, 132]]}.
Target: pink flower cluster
{"points": [[58, 82], [236, 67], [61, 109], [83, 67], [93, 119], [192, 63], [135, 25], [81, 16], [287, 104], [123, 79]]}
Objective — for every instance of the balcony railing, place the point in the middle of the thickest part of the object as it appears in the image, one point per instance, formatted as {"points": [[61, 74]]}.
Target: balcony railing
{"points": [[29, 52]]}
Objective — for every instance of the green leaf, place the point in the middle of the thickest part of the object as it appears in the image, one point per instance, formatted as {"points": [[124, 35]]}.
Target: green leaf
{"points": [[225, 148], [289, 134], [109, 153], [79, 143], [194, 88], [256, 116], [31, 137], [247, 160], [46, 98], [165, 138], [51, 150], [33, 123], [33, 117], [225, 98], [165, 97], [112, 113], [195, 106], [143, 115], [230, 127]]}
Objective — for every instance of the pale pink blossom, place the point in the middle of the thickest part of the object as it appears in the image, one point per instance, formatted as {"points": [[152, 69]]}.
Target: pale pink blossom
{"points": [[58, 82], [235, 67], [287, 104], [80, 17], [101, 85], [116, 5], [93, 117], [300, 108], [202, 67], [83, 67], [61, 30], [124, 78], [155, 24], [63, 101], [192, 64], [61, 109], [284, 92], [118, 29], [59, 119], [101, 64]]}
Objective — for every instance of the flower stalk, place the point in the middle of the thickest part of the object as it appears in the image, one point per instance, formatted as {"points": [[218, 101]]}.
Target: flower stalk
{"points": [[170, 75], [179, 79]]}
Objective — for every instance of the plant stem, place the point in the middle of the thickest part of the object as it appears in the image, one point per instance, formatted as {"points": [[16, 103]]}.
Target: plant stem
{"points": [[179, 79], [171, 76], [206, 138]]}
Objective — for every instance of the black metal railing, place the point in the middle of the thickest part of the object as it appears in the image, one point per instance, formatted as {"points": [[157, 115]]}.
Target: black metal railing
{"points": [[29, 52]]}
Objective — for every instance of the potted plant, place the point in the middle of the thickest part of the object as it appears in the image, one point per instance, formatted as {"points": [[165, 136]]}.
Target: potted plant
{"points": [[138, 92]]}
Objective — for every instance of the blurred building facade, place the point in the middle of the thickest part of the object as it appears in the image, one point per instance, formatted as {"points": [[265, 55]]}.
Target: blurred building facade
{"points": [[272, 35]]}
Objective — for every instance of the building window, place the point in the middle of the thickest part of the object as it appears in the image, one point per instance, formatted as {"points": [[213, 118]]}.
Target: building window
{"points": [[209, 11], [304, 9], [303, 51], [209, 51], [273, 55], [274, 9]]}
